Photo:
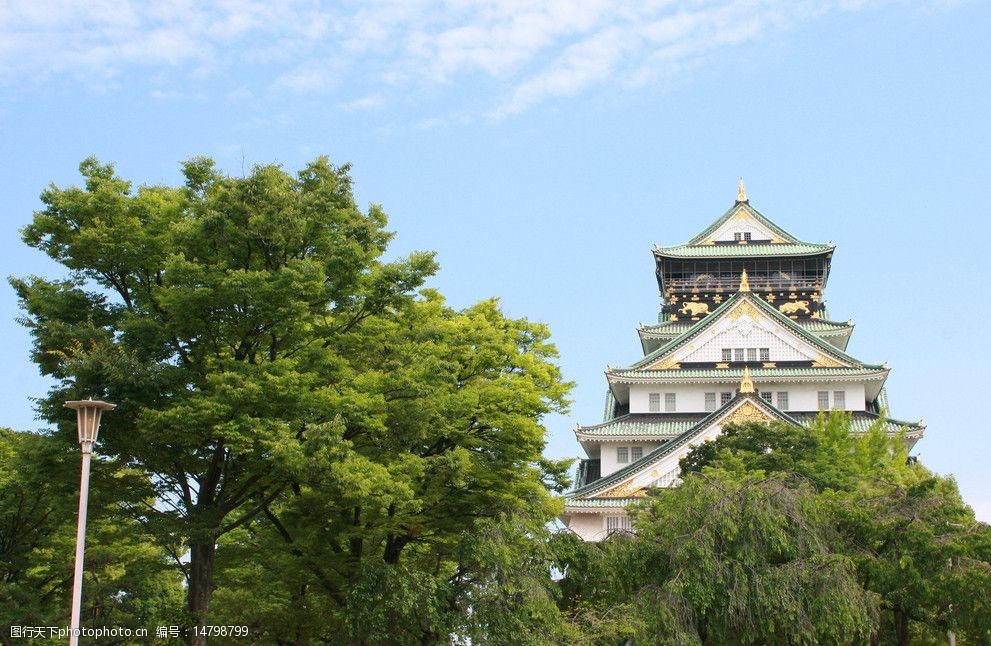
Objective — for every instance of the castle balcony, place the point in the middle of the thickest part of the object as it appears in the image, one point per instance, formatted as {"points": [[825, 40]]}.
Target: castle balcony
{"points": [[730, 283]]}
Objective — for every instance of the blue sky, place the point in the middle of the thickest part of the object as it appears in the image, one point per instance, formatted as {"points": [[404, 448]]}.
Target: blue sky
{"points": [[542, 148]]}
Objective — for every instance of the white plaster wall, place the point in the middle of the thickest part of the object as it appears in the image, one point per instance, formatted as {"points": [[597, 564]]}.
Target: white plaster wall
{"points": [[590, 527], [731, 226], [688, 398], [746, 332], [805, 396], [691, 398], [607, 454]]}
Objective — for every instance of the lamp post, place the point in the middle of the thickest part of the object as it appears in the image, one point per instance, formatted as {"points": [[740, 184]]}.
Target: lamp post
{"points": [[88, 414]]}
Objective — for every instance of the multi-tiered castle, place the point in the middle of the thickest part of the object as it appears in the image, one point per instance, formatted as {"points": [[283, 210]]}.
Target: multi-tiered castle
{"points": [[743, 335]]}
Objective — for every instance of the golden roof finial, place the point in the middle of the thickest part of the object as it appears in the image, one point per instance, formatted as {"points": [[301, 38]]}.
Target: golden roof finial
{"points": [[744, 281], [741, 192], [747, 385]]}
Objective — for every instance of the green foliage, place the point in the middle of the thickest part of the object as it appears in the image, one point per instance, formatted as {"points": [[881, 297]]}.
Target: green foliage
{"points": [[412, 513], [727, 558], [781, 534], [914, 542], [128, 580], [346, 441]]}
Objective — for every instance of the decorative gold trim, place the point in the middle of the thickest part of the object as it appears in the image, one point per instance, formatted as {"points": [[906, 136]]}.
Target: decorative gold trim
{"points": [[694, 309], [770, 364], [794, 307], [747, 384], [747, 413], [722, 366], [625, 490], [741, 192], [822, 361], [743, 309], [744, 281], [667, 364]]}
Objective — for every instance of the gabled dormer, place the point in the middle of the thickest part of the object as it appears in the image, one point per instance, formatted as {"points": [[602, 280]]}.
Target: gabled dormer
{"points": [[746, 330], [695, 277]]}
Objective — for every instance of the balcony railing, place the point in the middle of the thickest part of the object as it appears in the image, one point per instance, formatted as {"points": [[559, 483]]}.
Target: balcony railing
{"points": [[730, 283]]}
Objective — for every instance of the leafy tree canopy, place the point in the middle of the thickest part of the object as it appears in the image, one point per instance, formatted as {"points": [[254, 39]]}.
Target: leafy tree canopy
{"points": [[781, 534], [285, 389]]}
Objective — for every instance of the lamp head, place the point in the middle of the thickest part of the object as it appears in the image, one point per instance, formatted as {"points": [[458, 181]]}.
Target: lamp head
{"points": [[88, 414]]}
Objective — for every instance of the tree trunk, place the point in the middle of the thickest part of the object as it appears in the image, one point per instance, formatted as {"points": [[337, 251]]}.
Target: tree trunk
{"points": [[901, 627], [201, 559]]}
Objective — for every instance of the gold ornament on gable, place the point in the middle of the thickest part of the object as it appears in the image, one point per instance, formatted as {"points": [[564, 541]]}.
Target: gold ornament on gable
{"points": [[667, 364], [822, 361], [747, 413], [626, 490], [743, 309]]}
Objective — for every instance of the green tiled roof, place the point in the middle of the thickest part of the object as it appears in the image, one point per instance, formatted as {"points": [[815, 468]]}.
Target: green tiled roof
{"points": [[757, 215], [645, 424], [673, 445], [822, 325], [607, 414], [861, 422], [735, 374], [668, 327], [679, 327], [706, 321], [672, 424], [601, 502], [742, 250], [882, 400]]}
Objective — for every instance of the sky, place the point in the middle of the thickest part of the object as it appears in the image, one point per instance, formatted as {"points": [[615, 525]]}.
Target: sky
{"points": [[542, 148]]}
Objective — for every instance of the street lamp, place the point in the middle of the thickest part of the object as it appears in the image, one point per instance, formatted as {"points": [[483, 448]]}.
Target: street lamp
{"points": [[88, 414]]}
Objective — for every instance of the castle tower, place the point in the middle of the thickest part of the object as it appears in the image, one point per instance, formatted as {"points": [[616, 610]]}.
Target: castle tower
{"points": [[743, 335]]}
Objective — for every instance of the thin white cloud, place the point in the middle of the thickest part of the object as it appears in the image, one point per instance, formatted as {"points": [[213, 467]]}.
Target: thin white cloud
{"points": [[515, 54], [367, 102]]}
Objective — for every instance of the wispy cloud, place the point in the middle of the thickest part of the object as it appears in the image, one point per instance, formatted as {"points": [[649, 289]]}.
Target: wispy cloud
{"points": [[515, 54]]}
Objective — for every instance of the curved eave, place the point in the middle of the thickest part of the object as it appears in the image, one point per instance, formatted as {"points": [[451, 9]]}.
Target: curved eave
{"points": [[873, 375], [741, 251], [583, 505]]}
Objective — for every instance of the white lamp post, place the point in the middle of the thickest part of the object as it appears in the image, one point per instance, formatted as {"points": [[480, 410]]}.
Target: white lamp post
{"points": [[88, 414]]}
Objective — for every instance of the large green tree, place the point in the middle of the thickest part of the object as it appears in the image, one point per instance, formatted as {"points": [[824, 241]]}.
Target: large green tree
{"points": [[292, 397], [212, 315]]}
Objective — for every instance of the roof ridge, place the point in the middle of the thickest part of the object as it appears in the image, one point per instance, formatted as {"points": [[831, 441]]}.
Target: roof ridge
{"points": [[760, 217]]}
